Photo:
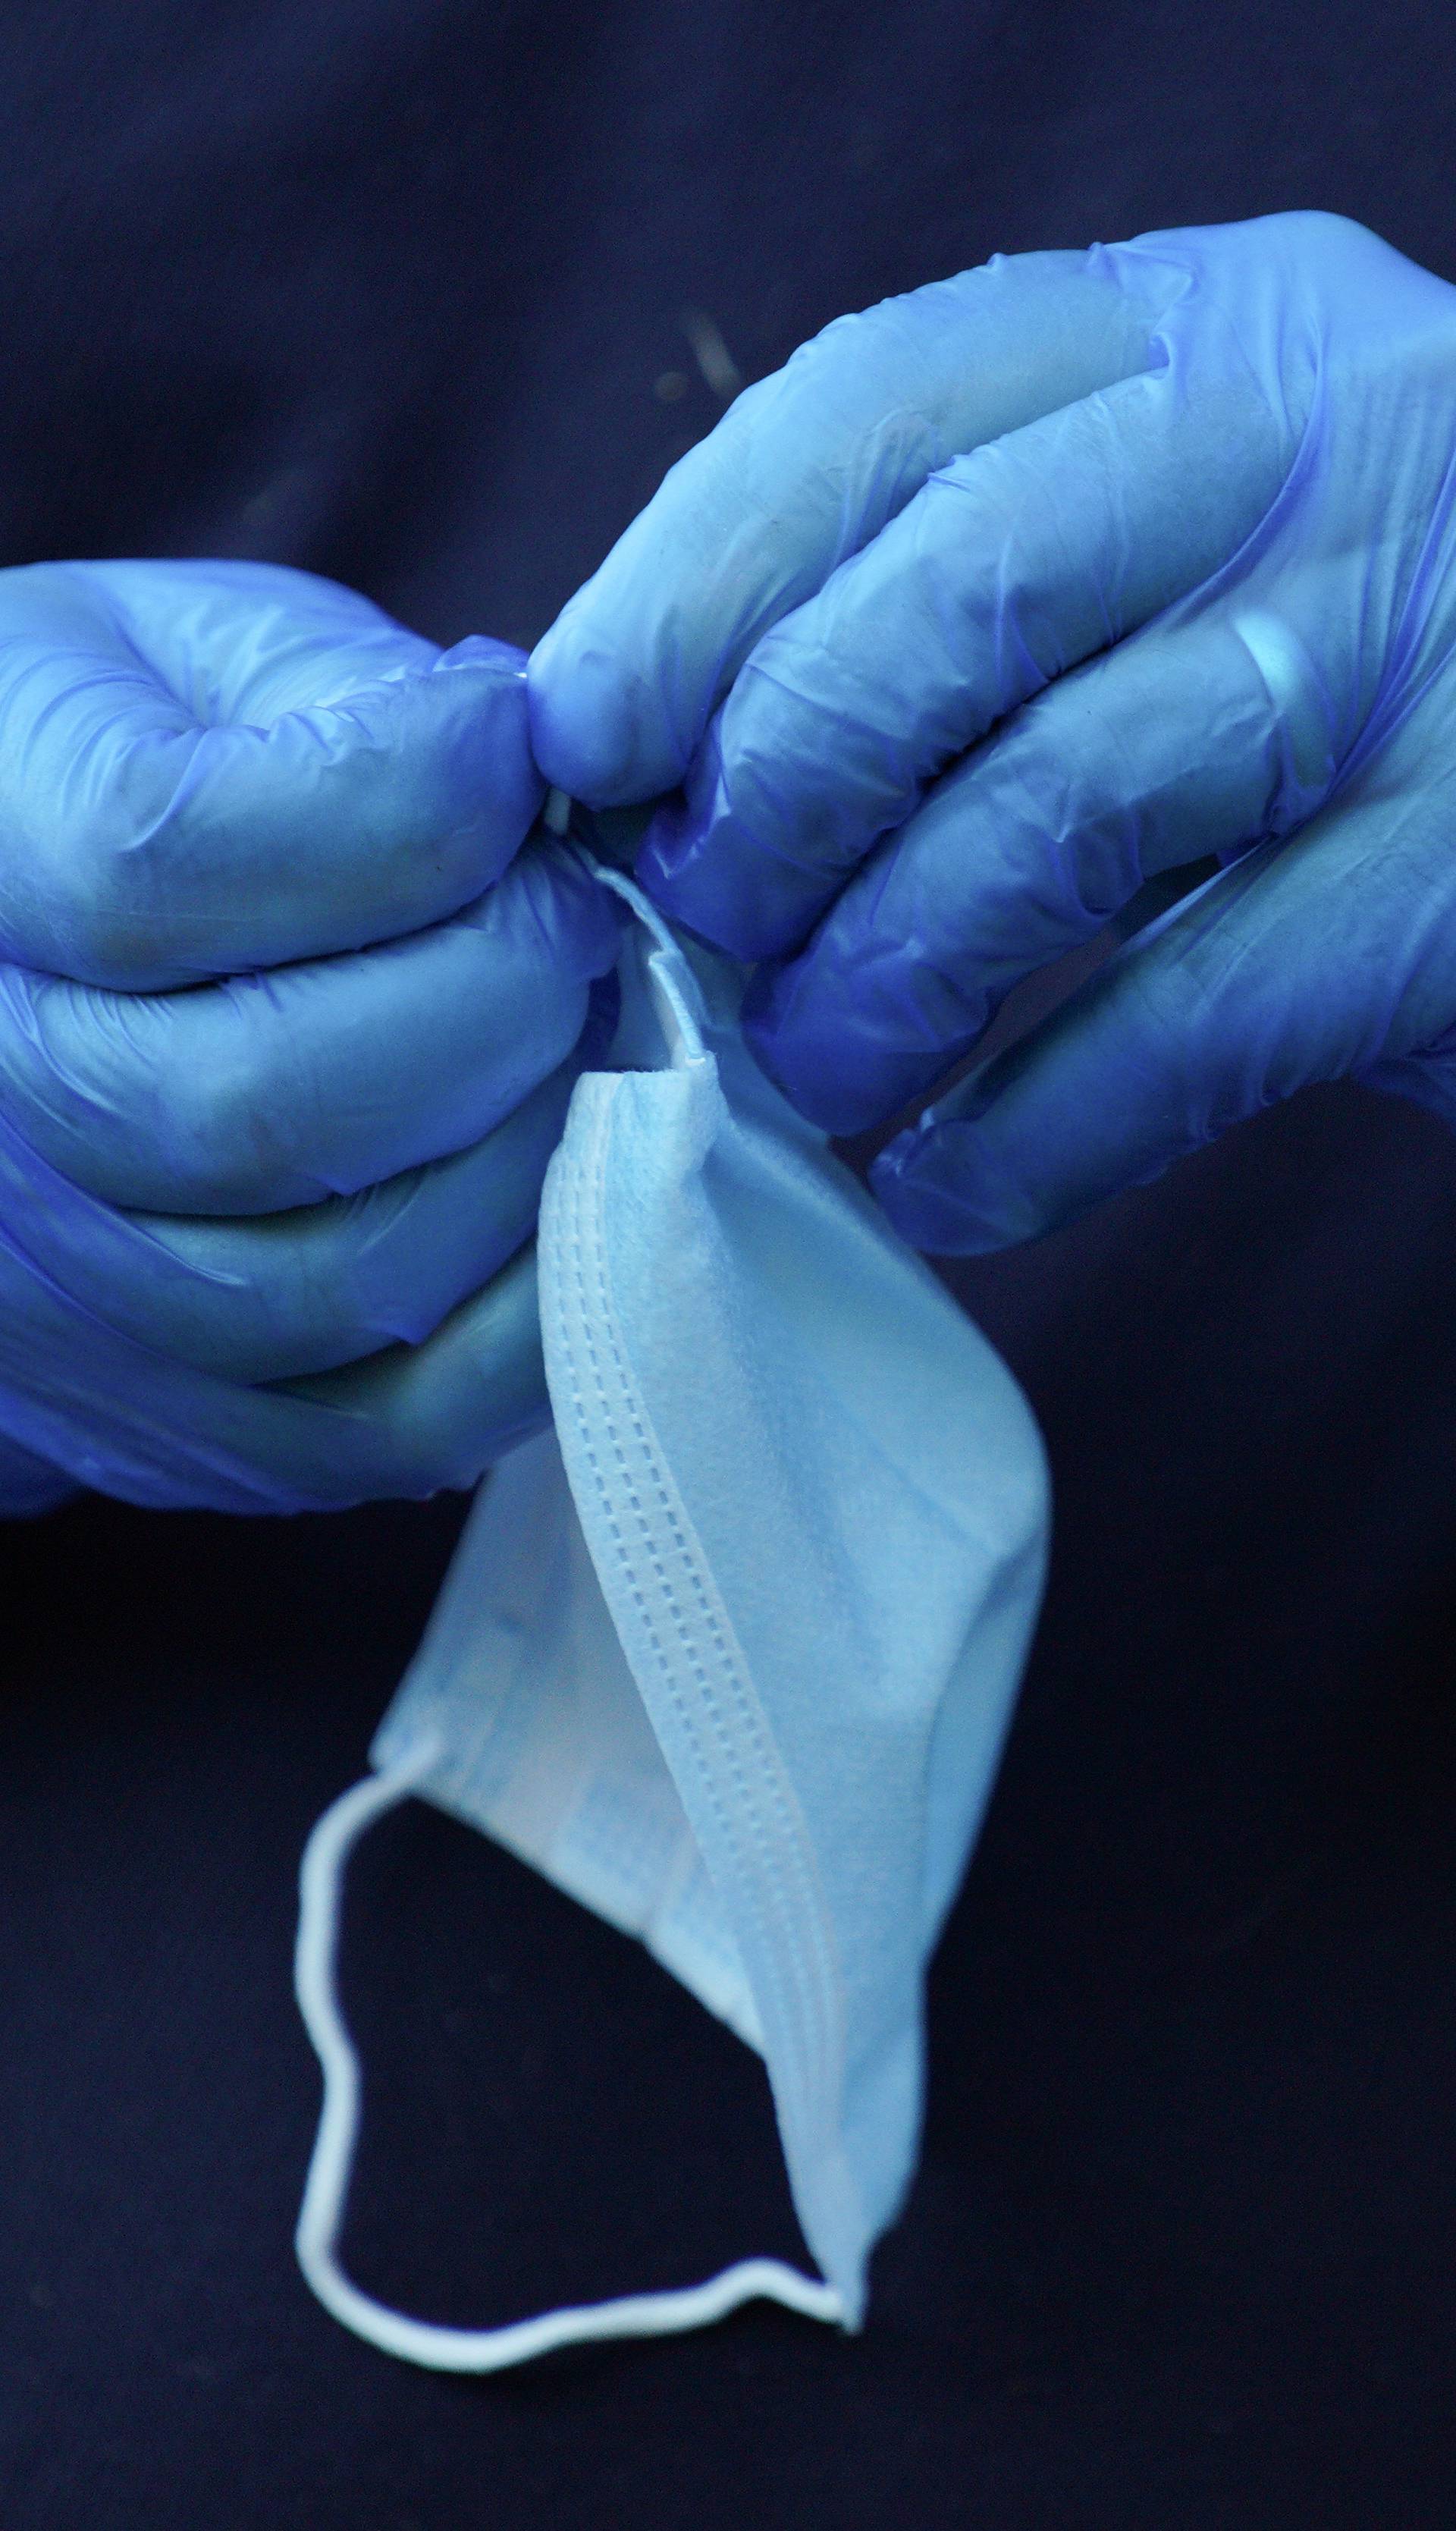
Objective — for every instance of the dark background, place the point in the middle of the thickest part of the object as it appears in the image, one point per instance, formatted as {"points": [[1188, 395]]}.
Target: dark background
{"points": [[396, 290]]}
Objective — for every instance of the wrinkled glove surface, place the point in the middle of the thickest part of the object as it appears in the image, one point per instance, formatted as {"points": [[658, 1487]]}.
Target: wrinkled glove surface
{"points": [[288, 1027], [998, 600]]}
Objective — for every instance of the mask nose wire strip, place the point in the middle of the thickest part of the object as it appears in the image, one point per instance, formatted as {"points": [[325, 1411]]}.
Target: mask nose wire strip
{"points": [[325, 2193]]}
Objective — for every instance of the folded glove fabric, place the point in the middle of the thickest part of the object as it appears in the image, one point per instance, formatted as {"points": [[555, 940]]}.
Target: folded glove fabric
{"points": [[1001, 599], [288, 1027], [729, 1654]]}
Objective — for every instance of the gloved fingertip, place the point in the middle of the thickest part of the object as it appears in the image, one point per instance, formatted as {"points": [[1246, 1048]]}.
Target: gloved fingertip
{"points": [[597, 730], [578, 920], [942, 1192], [459, 748]]}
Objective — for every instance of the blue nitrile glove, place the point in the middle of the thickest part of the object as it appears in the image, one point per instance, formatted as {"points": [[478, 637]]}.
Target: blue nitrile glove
{"points": [[288, 1027], [1019, 590]]}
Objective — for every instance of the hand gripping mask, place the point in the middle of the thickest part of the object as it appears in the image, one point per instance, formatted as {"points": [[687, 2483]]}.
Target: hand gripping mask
{"points": [[729, 1654]]}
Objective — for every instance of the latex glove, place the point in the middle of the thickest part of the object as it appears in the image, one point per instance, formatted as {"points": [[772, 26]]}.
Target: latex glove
{"points": [[1021, 588], [231, 771]]}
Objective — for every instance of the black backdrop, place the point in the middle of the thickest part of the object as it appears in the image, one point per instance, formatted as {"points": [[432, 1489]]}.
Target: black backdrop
{"points": [[386, 288]]}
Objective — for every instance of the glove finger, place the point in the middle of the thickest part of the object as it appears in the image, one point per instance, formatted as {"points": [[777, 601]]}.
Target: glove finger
{"points": [[1307, 960], [296, 1293], [806, 467], [140, 848], [1011, 566], [303, 1082], [113, 1414], [1181, 743], [419, 1418]]}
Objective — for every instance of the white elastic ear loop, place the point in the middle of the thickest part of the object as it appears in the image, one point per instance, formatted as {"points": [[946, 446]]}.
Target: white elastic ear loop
{"points": [[420, 2341]]}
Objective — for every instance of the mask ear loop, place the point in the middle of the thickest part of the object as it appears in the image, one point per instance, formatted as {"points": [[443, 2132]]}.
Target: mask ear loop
{"points": [[327, 2190]]}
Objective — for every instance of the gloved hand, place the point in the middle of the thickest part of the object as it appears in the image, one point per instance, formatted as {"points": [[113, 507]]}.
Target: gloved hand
{"points": [[1021, 588], [288, 1027]]}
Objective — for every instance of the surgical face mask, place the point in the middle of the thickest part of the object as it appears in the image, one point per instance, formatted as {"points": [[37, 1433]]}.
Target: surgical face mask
{"points": [[730, 1653]]}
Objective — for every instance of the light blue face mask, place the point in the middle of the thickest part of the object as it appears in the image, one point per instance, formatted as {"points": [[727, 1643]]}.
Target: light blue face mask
{"points": [[729, 1654]]}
